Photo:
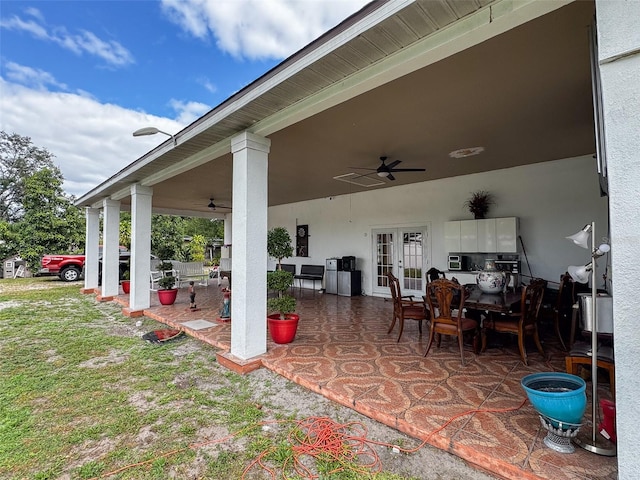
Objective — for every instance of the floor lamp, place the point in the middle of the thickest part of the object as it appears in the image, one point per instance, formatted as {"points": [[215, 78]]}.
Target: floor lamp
{"points": [[581, 275]]}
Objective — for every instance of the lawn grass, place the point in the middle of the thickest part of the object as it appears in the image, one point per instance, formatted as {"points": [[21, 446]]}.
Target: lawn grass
{"points": [[81, 395]]}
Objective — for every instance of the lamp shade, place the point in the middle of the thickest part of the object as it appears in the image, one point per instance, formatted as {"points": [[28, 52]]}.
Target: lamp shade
{"points": [[579, 274], [582, 237]]}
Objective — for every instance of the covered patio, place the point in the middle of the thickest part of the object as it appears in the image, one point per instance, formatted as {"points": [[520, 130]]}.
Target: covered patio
{"points": [[417, 81], [343, 352]]}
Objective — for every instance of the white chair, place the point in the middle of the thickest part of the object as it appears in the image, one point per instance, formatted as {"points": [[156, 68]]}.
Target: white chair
{"points": [[155, 277]]}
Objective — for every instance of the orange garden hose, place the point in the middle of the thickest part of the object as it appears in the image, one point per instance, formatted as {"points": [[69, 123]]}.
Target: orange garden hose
{"points": [[344, 444]]}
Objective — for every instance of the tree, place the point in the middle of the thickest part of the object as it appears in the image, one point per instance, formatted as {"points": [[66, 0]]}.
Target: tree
{"points": [[125, 229], [19, 158], [210, 228], [167, 237], [196, 248], [50, 222]]}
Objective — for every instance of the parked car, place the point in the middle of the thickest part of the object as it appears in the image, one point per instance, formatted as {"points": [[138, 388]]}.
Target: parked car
{"points": [[69, 267]]}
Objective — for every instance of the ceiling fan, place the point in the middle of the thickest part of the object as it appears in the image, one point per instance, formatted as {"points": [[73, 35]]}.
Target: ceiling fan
{"points": [[213, 207], [387, 170]]}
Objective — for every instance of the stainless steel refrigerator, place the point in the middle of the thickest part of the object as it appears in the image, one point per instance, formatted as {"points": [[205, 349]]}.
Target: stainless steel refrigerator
{"points": [[331, 276]]}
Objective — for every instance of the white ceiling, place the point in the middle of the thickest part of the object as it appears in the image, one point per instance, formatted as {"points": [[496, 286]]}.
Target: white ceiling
{"points": [[524, 95]]}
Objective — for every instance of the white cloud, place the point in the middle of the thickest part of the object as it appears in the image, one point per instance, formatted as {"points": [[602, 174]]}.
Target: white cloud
{"points": [[110, 51], [91, 141], [188, 112], [259, 29], [32, 77]]}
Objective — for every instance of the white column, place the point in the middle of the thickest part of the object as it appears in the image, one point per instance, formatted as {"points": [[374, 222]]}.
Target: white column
{"points": [[228, 225], [92, 247], [249, 258], [619, 58], [140, 246], [110, 241]]}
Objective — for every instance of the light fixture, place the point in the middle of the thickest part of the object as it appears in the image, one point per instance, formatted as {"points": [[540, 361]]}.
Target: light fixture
{"points": [[466, 152], [581, 275], [383, 174], [152, 131], [582, 237], [211, 206]]}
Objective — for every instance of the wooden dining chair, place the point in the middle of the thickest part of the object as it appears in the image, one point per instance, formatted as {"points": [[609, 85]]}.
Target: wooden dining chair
{"points": [[446, 305], [522, 323], [563, 310], [404, 307]]}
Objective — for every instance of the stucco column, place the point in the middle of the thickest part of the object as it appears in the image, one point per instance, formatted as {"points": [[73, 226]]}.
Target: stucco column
{"points": [[619, 59], [110, 253], [141, 198], [249, 258], [92, 247]]}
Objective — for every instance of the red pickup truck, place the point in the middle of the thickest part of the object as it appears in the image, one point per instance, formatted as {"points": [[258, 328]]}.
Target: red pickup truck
{"points": [[70, 267]]}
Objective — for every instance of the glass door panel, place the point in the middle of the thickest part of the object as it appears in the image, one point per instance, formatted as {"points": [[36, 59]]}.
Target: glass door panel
{"points": [[412, 262], [384, 259], [403, 252]]}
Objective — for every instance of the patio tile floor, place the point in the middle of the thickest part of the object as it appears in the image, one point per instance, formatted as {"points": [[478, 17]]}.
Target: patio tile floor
{"points": [[342, 351]]}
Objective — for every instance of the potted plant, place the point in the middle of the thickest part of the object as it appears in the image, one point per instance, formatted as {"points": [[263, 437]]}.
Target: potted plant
{"points": [[125, 282], [166, 293], [283, 323], [478, 203]]}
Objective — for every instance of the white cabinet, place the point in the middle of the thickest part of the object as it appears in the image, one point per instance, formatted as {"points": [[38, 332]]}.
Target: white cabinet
{"points": [[507, 234], [491, 235], [452, 236], [487, 235], [468, 236]]}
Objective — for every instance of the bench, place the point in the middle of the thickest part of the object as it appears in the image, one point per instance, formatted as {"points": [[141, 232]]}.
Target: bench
{"points": [[310, 272], [187, 271]]}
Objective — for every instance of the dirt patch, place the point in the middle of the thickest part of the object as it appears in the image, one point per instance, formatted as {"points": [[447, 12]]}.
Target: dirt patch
{"points": [[112, 358], [9, 304]]}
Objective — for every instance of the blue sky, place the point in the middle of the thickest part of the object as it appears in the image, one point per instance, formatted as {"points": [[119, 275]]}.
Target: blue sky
{"points": [[79, 77]]}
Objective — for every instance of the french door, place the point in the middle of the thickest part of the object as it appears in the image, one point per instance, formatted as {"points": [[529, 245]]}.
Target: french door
{"points": [[403, 252]]}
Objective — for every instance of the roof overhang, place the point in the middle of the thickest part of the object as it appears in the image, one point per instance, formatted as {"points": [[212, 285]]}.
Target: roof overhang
{"points": [[411, 80]]}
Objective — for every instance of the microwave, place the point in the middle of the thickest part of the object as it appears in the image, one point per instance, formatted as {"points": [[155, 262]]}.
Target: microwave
{"points": [[457, 262]]}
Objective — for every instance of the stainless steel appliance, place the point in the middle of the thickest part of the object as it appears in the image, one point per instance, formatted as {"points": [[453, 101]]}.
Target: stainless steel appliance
{"points": [[604, 304], [331, 275], [350, 283], [458, 262]]}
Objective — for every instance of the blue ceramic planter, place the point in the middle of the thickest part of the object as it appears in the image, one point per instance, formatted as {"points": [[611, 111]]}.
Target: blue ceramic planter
{"points": [[557, 396]]}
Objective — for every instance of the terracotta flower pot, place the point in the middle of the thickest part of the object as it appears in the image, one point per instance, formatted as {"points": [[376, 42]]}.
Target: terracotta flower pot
{"points": [[167, 297], [126, 286], [283, 331]]}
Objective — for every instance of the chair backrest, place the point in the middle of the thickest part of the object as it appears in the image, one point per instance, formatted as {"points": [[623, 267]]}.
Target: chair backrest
{"points": [[531, 301], [566, 293], [444, 297], [394, 286], [288, 267]]}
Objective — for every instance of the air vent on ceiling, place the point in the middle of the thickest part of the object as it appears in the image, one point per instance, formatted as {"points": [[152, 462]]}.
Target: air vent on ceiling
{"points": [[359, 179]]}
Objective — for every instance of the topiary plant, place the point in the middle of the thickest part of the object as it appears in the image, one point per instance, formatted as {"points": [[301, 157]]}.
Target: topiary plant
{"points": [[279, 246]]}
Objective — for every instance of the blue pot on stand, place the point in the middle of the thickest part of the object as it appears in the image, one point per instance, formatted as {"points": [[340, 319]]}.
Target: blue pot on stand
{"points": [[561, 400]]}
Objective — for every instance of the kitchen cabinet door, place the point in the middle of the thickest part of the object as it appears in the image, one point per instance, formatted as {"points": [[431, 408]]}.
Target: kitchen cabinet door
{"points": [[507, 235], [468, 236], [487, 235], [452, 236]]}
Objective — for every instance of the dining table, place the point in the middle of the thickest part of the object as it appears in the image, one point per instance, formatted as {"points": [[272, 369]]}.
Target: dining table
{"points": [[503, 302]]}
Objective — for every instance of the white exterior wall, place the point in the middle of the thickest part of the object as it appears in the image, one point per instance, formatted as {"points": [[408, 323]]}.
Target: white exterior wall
{"points": [[618, 38], [552, 200]]}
